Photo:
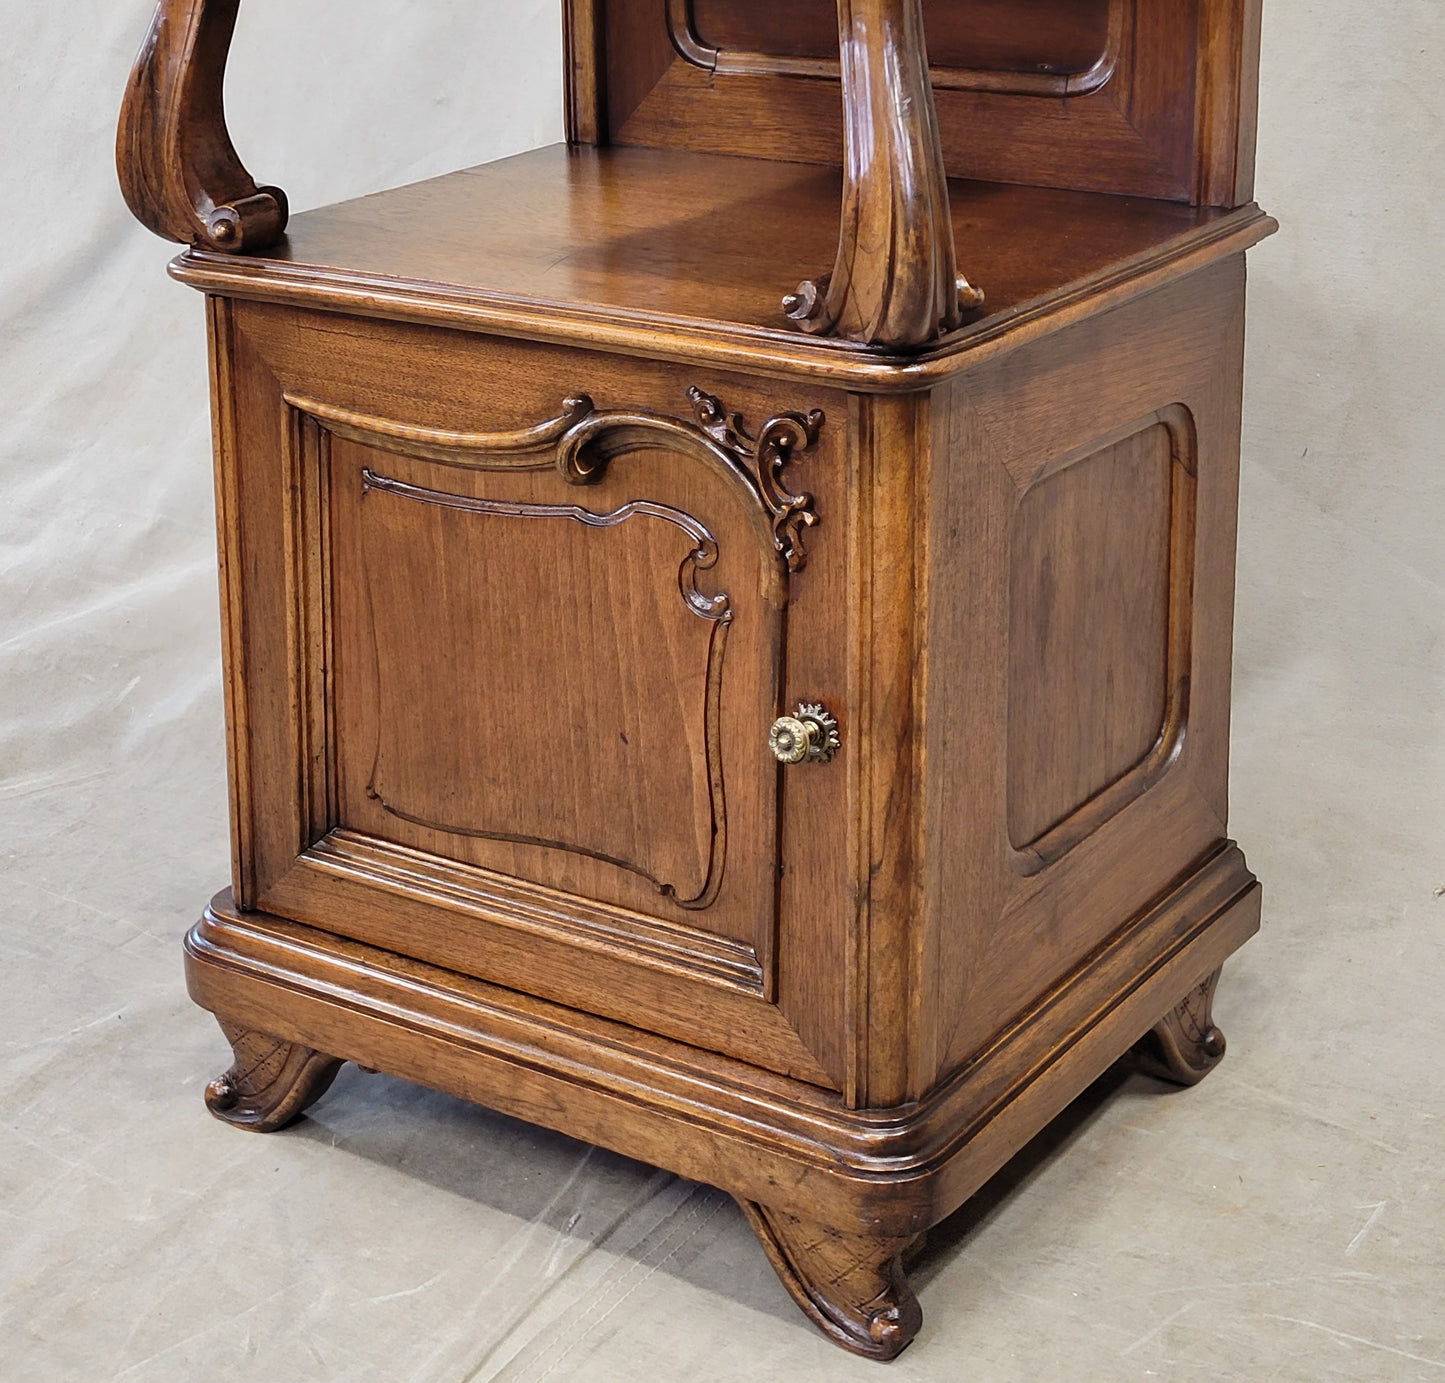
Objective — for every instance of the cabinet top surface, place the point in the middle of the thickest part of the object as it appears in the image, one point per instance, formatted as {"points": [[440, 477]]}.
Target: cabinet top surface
{"points": [[684, 255]]}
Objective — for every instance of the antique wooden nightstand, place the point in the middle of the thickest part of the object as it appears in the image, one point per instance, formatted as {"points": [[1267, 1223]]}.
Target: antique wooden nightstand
{"points": [[766, 718]]}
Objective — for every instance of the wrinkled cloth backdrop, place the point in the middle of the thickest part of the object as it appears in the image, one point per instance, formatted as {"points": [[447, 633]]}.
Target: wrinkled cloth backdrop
{"points": [[1284, 1221]]}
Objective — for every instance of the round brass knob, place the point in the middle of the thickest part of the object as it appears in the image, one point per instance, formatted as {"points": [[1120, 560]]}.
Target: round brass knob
{"points": [[810, 735], [789, 740]]}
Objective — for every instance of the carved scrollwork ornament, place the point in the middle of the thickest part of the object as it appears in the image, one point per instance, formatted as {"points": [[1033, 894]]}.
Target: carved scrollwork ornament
{"points": [[583, 440], [718, 438], [767, 455], [807, 306]]}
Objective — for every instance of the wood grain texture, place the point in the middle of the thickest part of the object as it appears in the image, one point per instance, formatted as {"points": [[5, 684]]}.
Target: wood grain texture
{"points": [[584, 71], [1227, 101], [892, 596], [178, 170]]}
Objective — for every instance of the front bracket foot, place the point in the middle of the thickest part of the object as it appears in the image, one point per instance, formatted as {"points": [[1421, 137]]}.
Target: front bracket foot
{"points": [[852, 1287], [270, 1081], [1184, 1046]]}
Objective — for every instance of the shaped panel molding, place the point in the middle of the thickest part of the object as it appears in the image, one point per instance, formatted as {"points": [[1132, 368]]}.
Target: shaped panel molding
{"points": [[1026, 48], [601, 738], [1101, 597], [582, 441]]}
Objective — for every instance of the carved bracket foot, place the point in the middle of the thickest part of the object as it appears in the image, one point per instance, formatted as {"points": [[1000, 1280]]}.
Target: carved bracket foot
{"points": [[853, 1288], [1184, 1046], [270, 1082]]}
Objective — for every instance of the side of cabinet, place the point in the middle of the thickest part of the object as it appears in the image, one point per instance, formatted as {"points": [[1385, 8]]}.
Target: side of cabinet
{"points": [[1082, 507]]}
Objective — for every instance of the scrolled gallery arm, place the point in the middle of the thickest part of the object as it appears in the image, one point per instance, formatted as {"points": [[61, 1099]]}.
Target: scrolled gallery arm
{"points": [[896, 281], [178, 170]]}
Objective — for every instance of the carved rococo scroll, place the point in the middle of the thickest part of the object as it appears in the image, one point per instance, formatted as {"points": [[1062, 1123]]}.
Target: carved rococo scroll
{"points": [[895, 282], [178, 170], [584, 440], [718, 439]]}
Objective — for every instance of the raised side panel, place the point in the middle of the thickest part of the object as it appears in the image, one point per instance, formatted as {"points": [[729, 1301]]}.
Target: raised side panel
{"points": [[1081, 560], [1099, 631]]}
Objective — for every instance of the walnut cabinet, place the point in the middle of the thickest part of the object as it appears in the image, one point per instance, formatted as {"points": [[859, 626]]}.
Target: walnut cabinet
{"points": [[727, 621]]}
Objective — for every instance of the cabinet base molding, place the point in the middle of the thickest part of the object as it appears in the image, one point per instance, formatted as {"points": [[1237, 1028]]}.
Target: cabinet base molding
{"points": [[765, 1138]]}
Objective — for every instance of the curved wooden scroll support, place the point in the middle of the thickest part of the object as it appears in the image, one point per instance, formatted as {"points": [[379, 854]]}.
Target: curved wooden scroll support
{"points": [[851, 1287], [178, 170], [270, 1082], [895, 282], [1184, 1046]]}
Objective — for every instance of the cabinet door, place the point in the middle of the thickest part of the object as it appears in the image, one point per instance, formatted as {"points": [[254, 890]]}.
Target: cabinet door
{"points": [[510, 653]]}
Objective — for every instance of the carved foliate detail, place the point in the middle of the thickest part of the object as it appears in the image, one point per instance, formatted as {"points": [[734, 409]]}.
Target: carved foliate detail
{"points": [[766, 456], [722, 440], [583, 441], [852, 1287], [270, 1081]]}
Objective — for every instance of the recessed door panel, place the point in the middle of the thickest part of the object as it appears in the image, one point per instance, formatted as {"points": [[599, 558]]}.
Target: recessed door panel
{"points": [[569, 685], [580, 714]]}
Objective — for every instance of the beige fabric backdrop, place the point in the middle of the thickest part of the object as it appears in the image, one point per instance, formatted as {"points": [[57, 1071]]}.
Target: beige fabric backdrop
{"points": [[118, 1237], [108, 626]]}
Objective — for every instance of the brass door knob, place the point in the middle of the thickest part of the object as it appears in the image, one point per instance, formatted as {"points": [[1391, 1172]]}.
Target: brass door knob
{"points": [[810, 735]]}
